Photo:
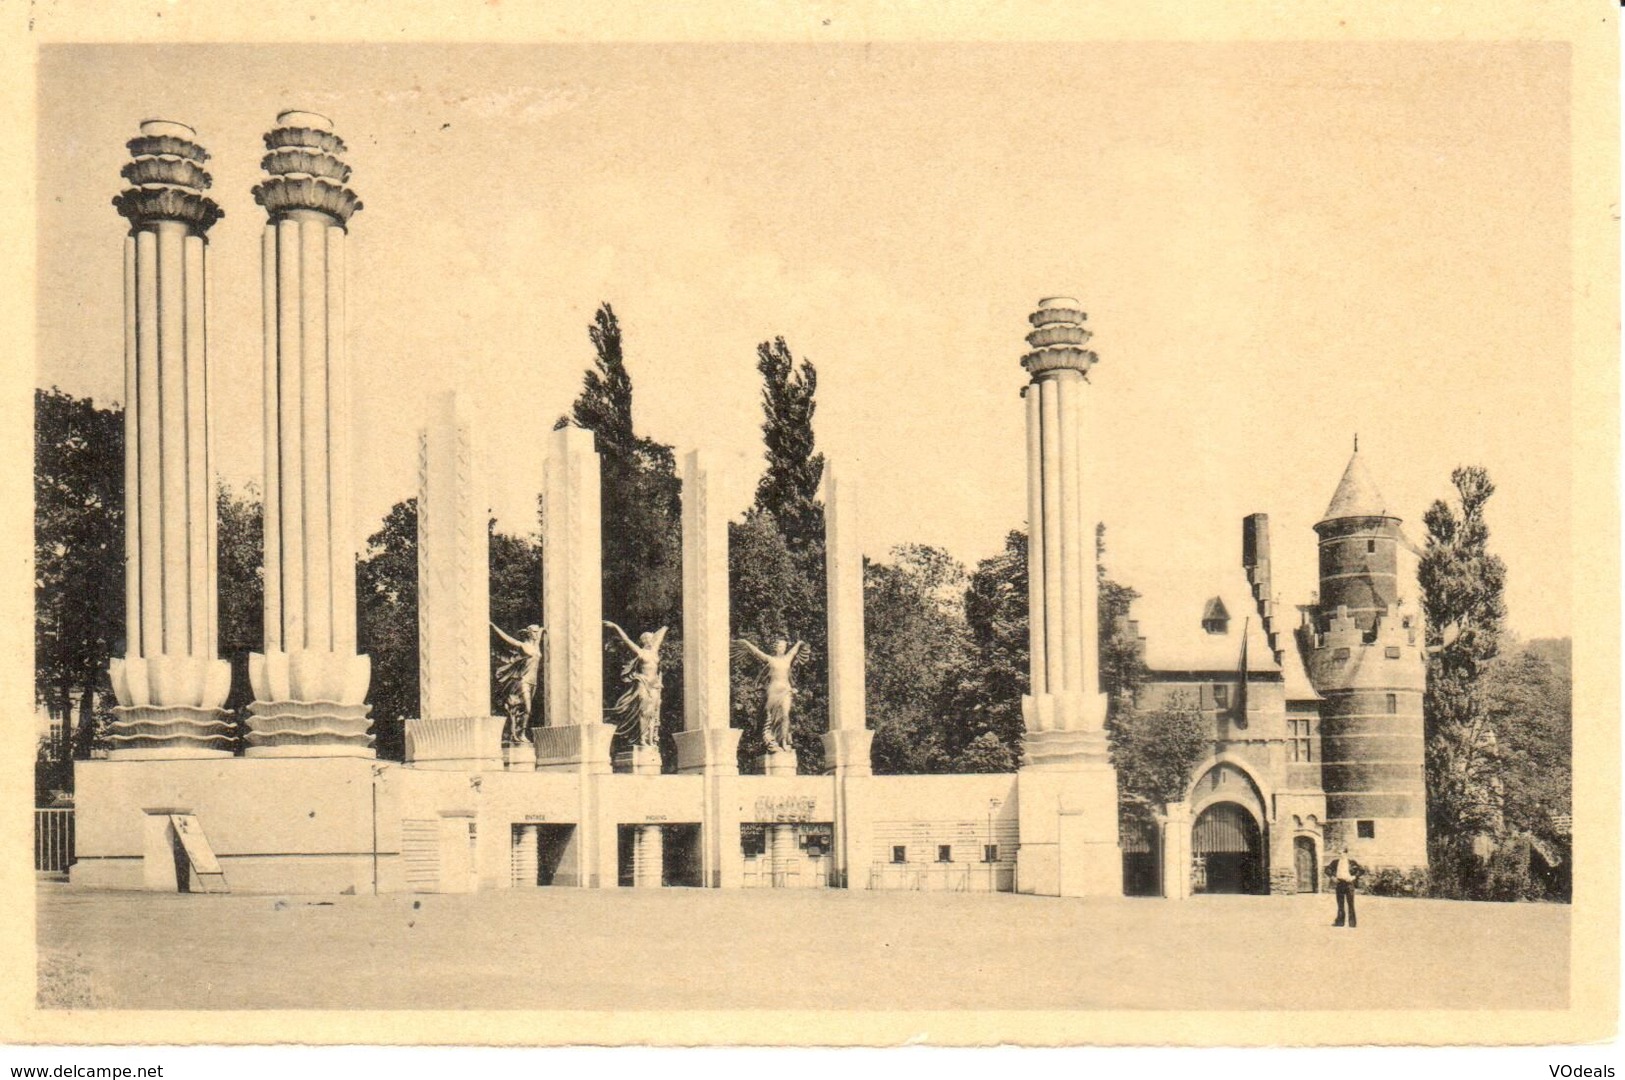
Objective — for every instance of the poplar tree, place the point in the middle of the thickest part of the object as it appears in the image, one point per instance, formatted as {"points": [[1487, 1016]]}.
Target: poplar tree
{"points": [[788, 488], [1462, 598], [641, 509]]}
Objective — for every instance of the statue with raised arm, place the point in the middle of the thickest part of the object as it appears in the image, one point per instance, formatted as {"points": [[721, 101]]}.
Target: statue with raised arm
{"points": [[637, 712], [774, 675], [520, 664]]}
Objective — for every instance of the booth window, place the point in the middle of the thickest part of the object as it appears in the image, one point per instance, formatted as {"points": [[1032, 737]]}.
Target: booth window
{"points": [[990, 853], [899, 853], [945, 853]]}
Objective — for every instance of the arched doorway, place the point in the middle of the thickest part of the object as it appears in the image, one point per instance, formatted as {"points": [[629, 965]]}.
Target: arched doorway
{"points": [[1226, 843], [1305, 864]]}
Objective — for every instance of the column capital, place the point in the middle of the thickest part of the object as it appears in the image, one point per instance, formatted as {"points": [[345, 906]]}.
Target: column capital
{"points": [[304, 170], [167, 179], [1058, 339]]}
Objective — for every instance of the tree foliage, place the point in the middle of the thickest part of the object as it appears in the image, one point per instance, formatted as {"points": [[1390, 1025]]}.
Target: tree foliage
{"points": [[1462, 585], [387, 625], [1154, 752], [776, 560], [78, 558], [773, 596], [984, 696], [240, 534], [916, 646], [516, 599], [788, 489], [641, 509]]}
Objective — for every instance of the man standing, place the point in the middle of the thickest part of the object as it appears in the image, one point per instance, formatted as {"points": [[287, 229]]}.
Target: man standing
{"points": [[1342, 871]]}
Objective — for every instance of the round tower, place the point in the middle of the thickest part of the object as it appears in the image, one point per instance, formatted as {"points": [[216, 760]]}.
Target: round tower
{"points": [[1366, 658]]}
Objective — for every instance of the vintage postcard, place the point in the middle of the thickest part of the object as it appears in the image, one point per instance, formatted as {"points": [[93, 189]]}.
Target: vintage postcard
{"points": [[827, 527]]}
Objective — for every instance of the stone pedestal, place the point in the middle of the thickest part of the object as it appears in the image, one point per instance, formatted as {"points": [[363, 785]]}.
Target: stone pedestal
{"points": [[779, 763], [1175, 825], [466, 742], [520, 757], [639, 761], [847, 753], [580, 746], [648, 857], [708, 750], [170, 686], [1068, 828], [309, 685]]}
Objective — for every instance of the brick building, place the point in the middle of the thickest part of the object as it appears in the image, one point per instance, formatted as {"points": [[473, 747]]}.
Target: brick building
{"points": [[1316, 728]]}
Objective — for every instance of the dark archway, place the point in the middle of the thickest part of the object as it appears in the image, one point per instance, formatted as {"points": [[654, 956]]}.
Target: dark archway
{"points": [[1227, 844]]}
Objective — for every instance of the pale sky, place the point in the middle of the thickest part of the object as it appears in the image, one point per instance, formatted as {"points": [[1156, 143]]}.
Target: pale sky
{"points": [[1279, 245]]}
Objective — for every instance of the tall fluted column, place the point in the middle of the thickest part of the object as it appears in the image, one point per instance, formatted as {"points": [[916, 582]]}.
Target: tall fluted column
{"points": [[169, 684], [1066, 712], [309, 684], [1068, 790]]}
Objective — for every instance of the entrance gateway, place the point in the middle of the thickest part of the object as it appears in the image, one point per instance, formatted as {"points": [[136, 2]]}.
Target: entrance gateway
{"points": [[301, 803], [1228, 850]]}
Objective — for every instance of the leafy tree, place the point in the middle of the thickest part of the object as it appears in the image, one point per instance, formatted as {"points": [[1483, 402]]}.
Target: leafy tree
{"points": [[1462, 585], [776, 558], [241, 584], [640, 503], [986, 753], [387, 625], [1527, 695], [916, 645], [985, 698], [1122, 664], [516, 598], [78, 558], [1154, 752], [771, 597], [789, 485]]}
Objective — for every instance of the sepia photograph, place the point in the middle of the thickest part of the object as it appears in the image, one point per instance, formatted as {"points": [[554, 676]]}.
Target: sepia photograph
{"points": [[1017, 532]]}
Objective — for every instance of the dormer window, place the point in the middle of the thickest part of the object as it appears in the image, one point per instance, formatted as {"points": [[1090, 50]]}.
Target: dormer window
{"points": [[1215, 619]]}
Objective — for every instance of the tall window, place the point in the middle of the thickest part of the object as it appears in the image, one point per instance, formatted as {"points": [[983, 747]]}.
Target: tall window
{"points": [[1393, 703], [1300, 739], [1221, 696]]}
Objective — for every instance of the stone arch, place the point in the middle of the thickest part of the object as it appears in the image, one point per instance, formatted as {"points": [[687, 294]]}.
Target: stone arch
{"points": [[1197, 798]]}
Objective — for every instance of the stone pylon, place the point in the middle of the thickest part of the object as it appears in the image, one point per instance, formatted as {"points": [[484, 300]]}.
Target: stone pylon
{"points": [[169, 684], [309, 684], [708, 745], [1068, 788], [454, 726], [848, 744]]}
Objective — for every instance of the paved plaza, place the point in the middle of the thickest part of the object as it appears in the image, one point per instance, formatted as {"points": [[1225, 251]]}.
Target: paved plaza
{"points": [[725, 949]]}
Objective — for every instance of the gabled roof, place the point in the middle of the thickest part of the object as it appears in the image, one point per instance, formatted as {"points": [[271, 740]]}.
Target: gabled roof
{"points": [[1175, 640], [1357, 494]]}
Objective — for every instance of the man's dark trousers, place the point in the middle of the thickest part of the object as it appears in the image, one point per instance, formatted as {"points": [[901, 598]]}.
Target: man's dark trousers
{"points": [[1345, 895]]}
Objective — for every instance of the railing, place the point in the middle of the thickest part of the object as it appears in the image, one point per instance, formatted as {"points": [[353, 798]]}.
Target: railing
{"points": [[53, 840]]}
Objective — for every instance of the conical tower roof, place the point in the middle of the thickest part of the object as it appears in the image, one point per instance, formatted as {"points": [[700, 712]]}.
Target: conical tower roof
{"points": [[1356, 495]]}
